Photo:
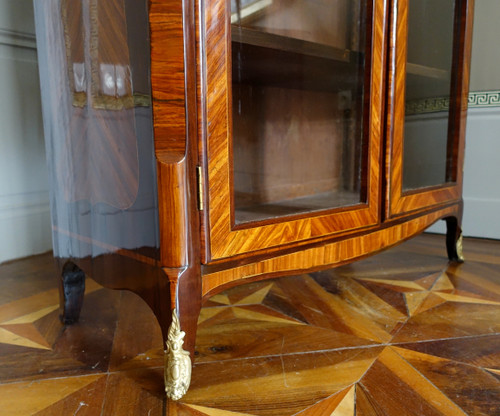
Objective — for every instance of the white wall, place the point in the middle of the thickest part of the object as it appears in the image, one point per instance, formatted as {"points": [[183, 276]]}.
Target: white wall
{"points": [[481, 171], [482, 149], [485, 51], [24, 197]]}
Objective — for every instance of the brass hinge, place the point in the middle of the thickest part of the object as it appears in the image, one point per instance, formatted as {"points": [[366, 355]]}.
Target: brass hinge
{"points": [[199, 181]]}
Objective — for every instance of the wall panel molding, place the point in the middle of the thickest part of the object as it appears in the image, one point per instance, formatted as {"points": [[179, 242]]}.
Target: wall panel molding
{"points": [[24, 197], [476, 99], [19, 39], [25, 225], [484, 99], [22, 205]]}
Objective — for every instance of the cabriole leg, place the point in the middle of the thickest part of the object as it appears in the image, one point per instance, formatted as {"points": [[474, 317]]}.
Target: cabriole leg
{"points": [[72, 288], [454, 240], [185, 292]]}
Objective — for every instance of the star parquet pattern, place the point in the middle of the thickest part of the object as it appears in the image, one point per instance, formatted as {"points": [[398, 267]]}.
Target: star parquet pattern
{"points": [[400, 333]]}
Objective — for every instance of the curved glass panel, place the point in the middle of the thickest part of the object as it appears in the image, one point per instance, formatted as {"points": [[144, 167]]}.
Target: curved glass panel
{"points": [[298, 85], [94, 71], [428, 143]]}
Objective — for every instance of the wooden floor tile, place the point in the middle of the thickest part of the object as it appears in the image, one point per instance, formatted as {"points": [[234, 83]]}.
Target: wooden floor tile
{"points": [[35, 345], [87, 401], [366, 405], [399, 389], [473, 389], [481, 352], [401, 333], [135, 392], [143, 350], [340, 404], [28, 398], [284, 384], [435, 323]]}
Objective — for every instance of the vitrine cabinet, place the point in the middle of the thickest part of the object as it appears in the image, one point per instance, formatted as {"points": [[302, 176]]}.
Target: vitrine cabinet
{"points": [[194, 146]]}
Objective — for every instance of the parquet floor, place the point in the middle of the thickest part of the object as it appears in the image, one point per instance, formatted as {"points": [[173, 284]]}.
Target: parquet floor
{"points": [[400, 333]]}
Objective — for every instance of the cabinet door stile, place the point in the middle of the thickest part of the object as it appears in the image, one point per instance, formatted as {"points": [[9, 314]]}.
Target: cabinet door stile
{"points": [[427, 105]]}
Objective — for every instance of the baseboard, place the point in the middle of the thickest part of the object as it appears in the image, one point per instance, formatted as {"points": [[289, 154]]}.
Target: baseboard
{"points": [[20, 39], [25, 225], [480, 219]]}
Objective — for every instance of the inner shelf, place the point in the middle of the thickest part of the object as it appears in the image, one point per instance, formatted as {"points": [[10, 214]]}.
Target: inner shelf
{"points": [[296, 206], [262, 58]]}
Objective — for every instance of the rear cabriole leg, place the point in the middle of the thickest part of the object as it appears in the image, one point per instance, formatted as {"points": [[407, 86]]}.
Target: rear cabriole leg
{"points": [[454, 240]]}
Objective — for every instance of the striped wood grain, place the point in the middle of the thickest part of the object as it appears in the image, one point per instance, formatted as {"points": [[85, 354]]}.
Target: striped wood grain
{"points": [[399, 202], [329, 255], [383, 336], [223, 239]]}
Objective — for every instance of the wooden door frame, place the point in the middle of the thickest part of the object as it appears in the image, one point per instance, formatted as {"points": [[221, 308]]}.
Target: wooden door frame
{"points": [[222, 239], [398, 202]]}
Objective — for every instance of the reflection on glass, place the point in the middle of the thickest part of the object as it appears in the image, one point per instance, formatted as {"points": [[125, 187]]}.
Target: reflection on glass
{"points": [[427, 159], [94, 68], [297, 90]]}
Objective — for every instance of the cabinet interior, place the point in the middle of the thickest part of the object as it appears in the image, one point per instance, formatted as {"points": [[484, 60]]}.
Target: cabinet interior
{"points": [[298, 87]]}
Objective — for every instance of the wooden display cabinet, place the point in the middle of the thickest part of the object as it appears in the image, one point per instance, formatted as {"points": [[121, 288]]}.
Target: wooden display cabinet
{"points": [[194, 146]]}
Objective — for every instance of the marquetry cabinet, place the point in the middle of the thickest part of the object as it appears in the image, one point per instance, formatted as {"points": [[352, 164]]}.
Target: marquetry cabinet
{"points": [[197, 145]]}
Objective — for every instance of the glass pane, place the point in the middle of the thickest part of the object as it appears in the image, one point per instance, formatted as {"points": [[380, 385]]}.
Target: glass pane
{"points": [[298, 74], [96, 98], [427, 159]]}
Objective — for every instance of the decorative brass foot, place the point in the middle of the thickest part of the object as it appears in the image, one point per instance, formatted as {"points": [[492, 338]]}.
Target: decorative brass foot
{"points": [[459, 249], [177, 362], [454, 240]]}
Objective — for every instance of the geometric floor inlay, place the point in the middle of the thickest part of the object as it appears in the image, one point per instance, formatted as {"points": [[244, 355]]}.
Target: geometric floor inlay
{"points": [[400, 333]]}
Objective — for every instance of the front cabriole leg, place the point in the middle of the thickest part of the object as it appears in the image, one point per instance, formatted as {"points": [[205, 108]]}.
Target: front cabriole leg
{"points": [[180, 255]]}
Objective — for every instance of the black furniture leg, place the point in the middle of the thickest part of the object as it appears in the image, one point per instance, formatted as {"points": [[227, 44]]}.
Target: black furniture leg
{"points": [[72, 288]]}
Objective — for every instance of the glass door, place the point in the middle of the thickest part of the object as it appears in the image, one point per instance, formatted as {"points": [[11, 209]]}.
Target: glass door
{"points": [[430, 100], [298, 75], [297, 157]]}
